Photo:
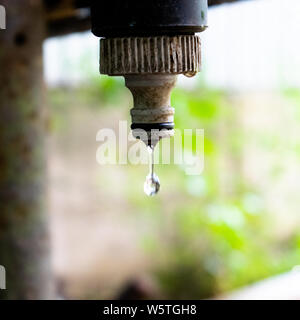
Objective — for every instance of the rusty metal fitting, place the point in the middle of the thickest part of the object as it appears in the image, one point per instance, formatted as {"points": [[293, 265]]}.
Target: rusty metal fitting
{"points": [[150, 43], [150, 66], [152, 111]]}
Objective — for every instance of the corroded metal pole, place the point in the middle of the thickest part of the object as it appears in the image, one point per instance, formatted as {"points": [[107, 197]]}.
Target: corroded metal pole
{"points": [[24, 250]]}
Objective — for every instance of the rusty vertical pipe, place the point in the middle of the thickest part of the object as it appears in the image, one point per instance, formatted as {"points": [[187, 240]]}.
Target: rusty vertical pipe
{"points": [[24, 243]]}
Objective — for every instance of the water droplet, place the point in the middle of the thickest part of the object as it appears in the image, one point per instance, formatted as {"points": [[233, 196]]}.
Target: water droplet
{"points": [[152, 184]]}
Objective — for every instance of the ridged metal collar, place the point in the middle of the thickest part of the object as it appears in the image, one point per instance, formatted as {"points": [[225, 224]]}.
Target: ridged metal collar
{"points": [[150, 55]]}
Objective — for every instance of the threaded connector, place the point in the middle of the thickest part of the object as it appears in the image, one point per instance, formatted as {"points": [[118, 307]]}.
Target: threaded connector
{"points": [[150, 55], [150, 66]]}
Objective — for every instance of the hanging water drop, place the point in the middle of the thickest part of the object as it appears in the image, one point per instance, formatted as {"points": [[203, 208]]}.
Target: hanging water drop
{"points": [[152, 184]]}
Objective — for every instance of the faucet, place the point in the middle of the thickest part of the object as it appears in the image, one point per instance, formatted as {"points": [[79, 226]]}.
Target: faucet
{"points": [[150, 43]]}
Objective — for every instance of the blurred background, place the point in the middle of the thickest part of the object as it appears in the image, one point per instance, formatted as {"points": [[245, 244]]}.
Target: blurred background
{"points": [[203, 236]]}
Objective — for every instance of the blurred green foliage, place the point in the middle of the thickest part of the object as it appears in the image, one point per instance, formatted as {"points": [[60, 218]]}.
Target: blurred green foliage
{"points": [[220, 234], [97, 92], [212, 232], [104, 89]]}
